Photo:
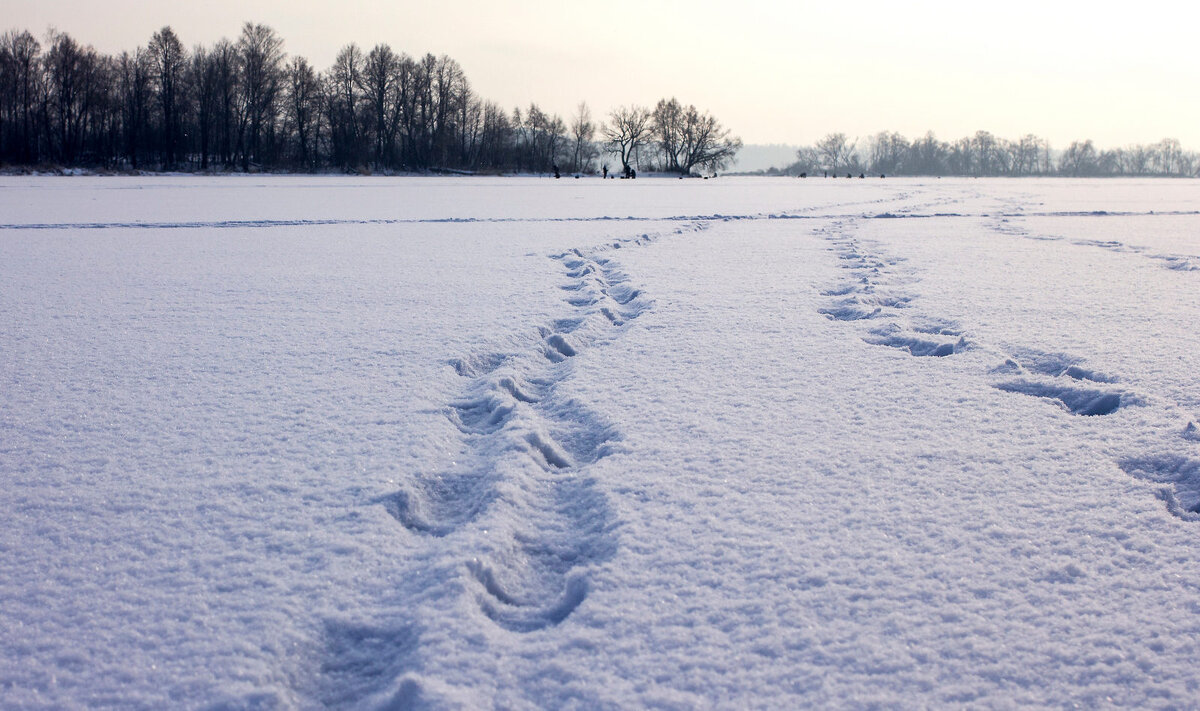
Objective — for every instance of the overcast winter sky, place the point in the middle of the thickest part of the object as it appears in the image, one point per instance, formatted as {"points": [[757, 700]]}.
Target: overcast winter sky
{"points": [[774, 72]]}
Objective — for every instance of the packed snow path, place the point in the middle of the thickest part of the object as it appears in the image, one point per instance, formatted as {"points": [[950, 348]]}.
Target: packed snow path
{"points": [[375, 443]]}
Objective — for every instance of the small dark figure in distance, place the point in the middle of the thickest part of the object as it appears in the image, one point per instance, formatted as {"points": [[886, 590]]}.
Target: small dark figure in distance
{"points": [[632, 174], [849, 176], [804, 175], [556, 173], [605, 172], [881, 176], [861, 176]]}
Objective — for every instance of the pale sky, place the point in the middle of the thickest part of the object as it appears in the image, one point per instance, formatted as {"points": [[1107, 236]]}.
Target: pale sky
{"points": [[773, 72]]}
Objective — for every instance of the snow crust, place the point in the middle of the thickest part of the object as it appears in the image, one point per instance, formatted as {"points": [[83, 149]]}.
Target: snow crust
{"points": [[275, 442]]}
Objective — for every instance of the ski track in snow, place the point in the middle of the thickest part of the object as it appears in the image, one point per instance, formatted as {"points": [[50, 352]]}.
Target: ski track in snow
{"points": [[1006, 223], [815, 212], [531, 448], [879, 300]]}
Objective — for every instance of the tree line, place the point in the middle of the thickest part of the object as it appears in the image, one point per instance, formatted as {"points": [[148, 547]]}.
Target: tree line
{"points": [[889, 153], [245, 105]]}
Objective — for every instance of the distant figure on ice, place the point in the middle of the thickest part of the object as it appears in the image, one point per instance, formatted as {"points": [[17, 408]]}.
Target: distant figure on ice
{"points": [[605, 172], [556, 173], [632, 174]]}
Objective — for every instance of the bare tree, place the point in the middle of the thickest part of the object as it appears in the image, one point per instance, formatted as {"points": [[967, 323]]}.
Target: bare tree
{"points": [[134, 72], [628, 129], [21, 78], [167, 59], [260, 52], [1079, 159], [583, 131], [204, 78], [345, 81], [378, 77], [302, 96], [1169, 153], [888, 152], [668, 126], [704, 143], [837, 152]]}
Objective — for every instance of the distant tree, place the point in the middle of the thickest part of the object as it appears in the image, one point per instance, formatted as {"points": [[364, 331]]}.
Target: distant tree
{"points": [[260, 54], [928, 156], [378, 81], [705, 143], [203, 76], [1079, 160], [1168, 153], [888, 153], [302, 101], [344, 94], [20, 84], [627, 130], [667, 122], [64, 69], [134, 72], [986, 154], [229, 110], [837, 153], [167, 59], [1025, 155], [583, 133]]}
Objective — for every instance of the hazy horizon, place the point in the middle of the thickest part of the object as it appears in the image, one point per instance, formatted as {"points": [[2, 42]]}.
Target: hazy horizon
{"points": [[773, 75]]}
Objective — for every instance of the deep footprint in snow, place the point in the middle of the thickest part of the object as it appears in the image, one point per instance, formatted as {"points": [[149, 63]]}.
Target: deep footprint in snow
{"points": [[540, 580], [477, 364], [482, 415], [546, 450], [1054, 365], [360, 659], [439, 506], [851, 312], [517, 614], [1180, 479], [1077, 401], [919, 347], [558, 349]]}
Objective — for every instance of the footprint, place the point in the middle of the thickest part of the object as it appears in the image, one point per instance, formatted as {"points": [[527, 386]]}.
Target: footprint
{"points": [[851, 312], [475, 365], [935, 326], [623, 294], [917, 346], [558, 349], [482, 415], [438, 507], [548, 451], [521, 614], [1077, 401], [1055, 365], [1179, 476]]}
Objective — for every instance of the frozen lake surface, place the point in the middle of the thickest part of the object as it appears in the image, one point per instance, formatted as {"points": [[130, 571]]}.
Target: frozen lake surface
{"points": [[272, 442]]}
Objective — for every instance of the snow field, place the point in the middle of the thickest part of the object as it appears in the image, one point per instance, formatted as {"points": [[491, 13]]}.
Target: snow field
{"points": [[674, 444]]}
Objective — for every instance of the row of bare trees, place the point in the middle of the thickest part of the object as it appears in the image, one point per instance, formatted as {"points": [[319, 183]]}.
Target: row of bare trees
{"points": [[983, 154], [246, 105]]}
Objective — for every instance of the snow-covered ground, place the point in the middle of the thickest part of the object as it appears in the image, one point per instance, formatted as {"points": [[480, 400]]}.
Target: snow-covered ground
{"points": [[275, 442]]}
